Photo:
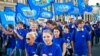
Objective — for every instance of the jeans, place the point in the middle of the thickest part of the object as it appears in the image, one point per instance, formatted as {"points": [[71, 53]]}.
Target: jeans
{"points": [[10, 52], [20, 52]]}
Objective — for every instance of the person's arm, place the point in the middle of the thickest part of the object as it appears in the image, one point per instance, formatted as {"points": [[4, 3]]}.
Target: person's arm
{"points": [[7, 32], [64, 49], [89, 47], [20, 37], [72, 44]]}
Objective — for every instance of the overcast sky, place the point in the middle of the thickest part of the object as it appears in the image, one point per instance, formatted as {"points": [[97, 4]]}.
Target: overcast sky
{"points": [[93, 2]]}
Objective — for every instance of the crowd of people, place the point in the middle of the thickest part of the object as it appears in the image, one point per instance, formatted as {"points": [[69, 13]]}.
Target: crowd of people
{"points": [[51, 38]]}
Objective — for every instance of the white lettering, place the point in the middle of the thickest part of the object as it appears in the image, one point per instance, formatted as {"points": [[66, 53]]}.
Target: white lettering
{"points": [[9, 17]]}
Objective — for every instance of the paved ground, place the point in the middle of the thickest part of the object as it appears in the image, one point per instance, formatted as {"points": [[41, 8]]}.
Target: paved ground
{"points": [[96, 50]]}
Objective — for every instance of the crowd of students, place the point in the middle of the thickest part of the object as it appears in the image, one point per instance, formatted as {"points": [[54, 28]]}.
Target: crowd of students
{"points": [[51, 38]]}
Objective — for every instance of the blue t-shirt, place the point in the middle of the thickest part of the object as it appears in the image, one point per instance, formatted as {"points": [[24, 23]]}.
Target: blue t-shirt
{"points": [[88, 28], [67, 37], [11, 41], [60, 27], [59, 41], [21, 43], [80, 39], [51, 50], [72, 27], [31, 49], [97, 32]]}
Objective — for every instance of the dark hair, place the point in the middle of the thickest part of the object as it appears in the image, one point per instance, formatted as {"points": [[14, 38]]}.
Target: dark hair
{"points": [[66, 26], [11, 26], [21, 23], [59, 20], [57, 28], [79, 21], [51, 22], [98, 22], [24, 25], [87, 22]]}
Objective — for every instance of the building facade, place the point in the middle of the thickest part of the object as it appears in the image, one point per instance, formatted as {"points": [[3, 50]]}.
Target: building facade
{"points": [[10, 3]]}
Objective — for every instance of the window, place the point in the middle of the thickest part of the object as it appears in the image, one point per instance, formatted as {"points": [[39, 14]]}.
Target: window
{"points": [[22, 1], [15, 1], [1, 0]]}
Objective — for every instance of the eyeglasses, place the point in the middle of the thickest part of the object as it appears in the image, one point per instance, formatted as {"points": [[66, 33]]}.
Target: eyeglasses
{"points": [[28, 38]]}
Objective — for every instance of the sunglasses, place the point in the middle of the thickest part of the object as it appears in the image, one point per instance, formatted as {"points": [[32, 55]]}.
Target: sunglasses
{"points": [[28, 38]]}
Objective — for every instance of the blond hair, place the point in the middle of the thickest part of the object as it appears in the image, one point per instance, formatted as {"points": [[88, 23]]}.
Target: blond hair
{"points": [[31, 34]]}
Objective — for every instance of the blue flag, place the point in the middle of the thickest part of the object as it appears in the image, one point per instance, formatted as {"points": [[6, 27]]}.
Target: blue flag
{"points": [[26, 11], [61, 8], [88, 8], [8, 9], [39, 3], [81, 4], [76, 11], [45, 14], [7, 18], [19, 18]]}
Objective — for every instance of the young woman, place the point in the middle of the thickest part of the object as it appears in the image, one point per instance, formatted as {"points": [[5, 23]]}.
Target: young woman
{"points": [[67, 37], [49, 48], [58, 39], [34, 28], [30, 45]]}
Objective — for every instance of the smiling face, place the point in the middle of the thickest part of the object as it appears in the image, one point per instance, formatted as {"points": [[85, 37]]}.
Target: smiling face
{"points": [[47, 38]]}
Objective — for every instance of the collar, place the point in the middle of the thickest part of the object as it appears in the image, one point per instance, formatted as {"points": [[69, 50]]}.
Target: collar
{"points": [[80, 29]]}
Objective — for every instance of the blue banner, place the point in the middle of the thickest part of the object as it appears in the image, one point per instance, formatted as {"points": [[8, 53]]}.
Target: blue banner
{"points": [[8, 9], [39, 3], [19, 18], [26, 11], [61, 8], [7, 18], [81, 4], [46, 14], [88, 8], [76, 11]]}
